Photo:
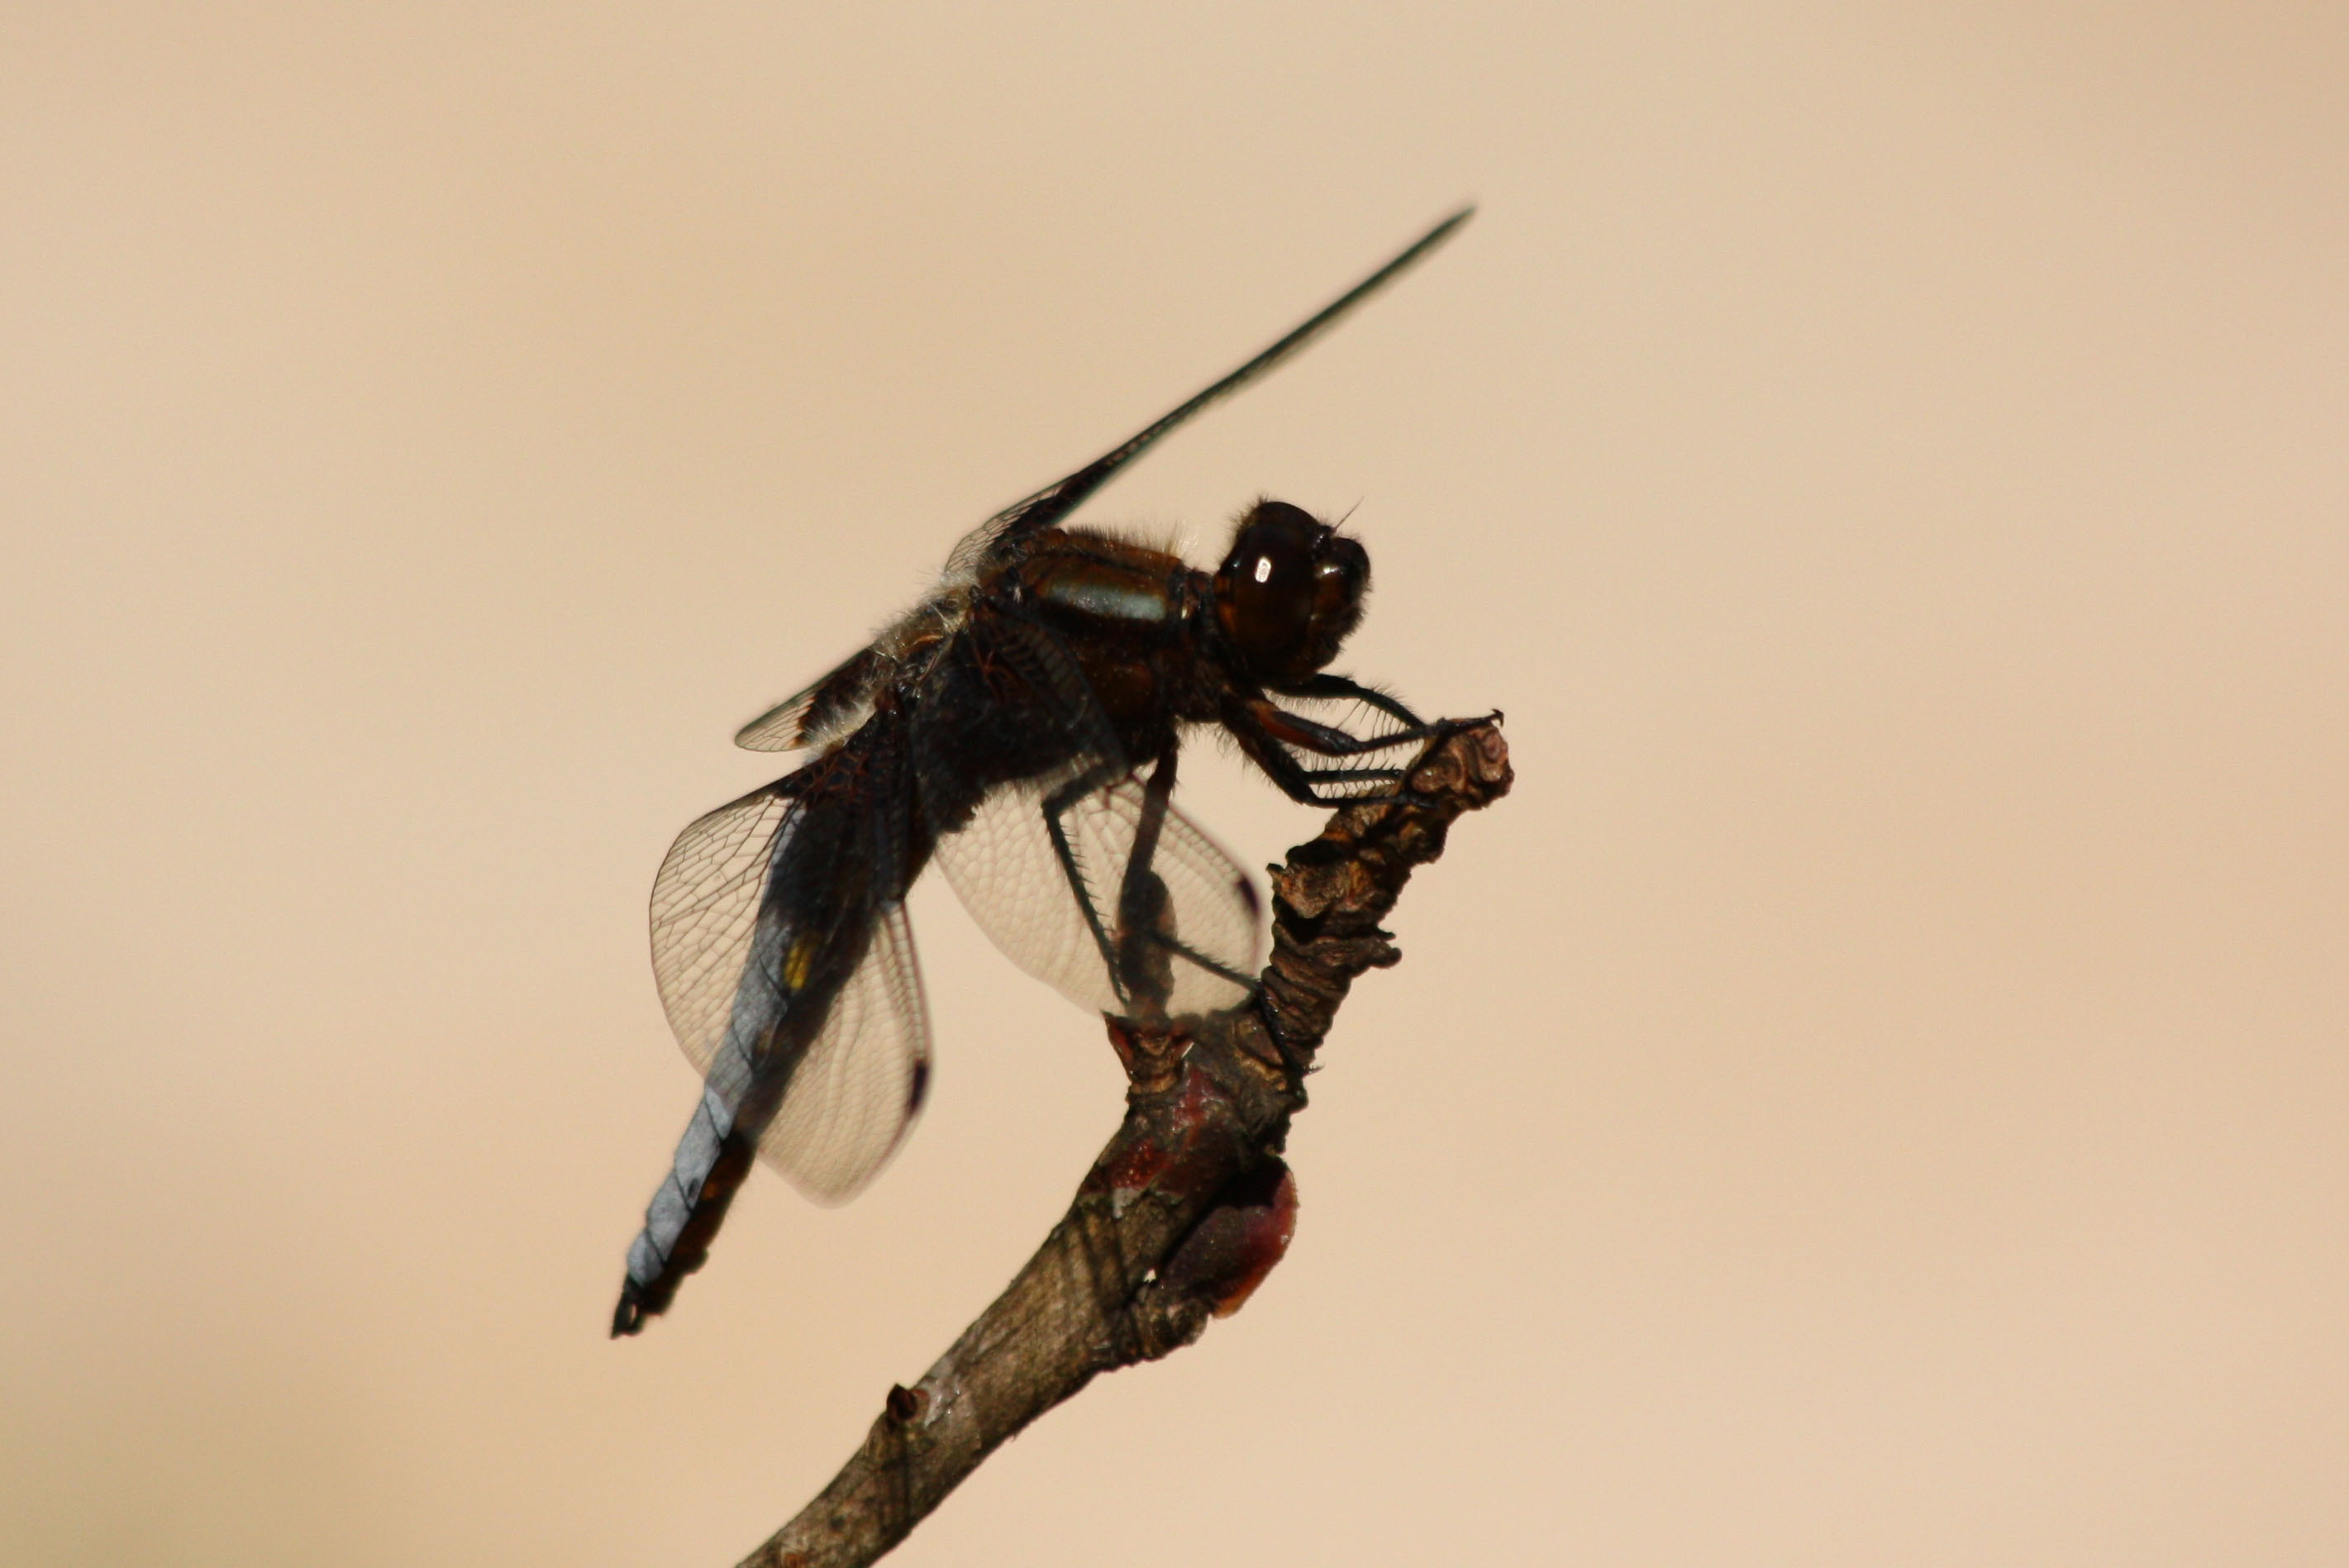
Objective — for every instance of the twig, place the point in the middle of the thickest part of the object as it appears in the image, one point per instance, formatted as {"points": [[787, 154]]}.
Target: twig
{"points": [[1189, 1206]]}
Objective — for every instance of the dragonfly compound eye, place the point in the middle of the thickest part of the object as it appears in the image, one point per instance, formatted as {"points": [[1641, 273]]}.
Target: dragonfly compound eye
{"points": [[1290, 591]]}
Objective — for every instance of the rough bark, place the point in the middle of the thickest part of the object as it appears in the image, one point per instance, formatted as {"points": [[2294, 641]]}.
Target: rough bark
{"points": [[1189, 1206]]}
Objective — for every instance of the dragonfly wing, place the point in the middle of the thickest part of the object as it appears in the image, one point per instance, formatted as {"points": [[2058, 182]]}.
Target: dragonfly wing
{"points": [[705, 912], [734, 965], [781, 945], [1106, 891], [1049, 505], [830, 708], [778, 729], [860, 1082]]}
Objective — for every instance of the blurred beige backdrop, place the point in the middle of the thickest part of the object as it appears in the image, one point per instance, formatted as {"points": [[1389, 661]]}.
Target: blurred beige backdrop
{"points": [[1876, 1093]]}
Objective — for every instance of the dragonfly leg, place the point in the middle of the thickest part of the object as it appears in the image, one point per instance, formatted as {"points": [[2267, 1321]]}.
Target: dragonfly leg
{"points": [[1057, 806], [1338, 687], [1145, 959], [1147, 942], [1266, 732]]}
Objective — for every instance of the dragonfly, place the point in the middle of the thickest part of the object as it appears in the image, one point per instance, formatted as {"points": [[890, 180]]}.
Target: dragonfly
{"points": [[1020, 728]]}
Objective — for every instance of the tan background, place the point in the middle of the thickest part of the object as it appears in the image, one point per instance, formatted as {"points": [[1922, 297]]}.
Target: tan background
{"points": [[1874, 1094]]}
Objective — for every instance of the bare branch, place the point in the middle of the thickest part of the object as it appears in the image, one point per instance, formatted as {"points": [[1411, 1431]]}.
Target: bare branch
{"points": [[1189, 1206]]}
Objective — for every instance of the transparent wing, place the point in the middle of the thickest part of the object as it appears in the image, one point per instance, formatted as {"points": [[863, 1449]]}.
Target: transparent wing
{"points": [[861, 1083], [1128, 908], [1054, 502], [830, 707], [731, 964], [778, 729], [704, 914]]}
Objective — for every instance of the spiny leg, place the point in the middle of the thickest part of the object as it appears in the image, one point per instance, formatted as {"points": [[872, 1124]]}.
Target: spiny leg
{"points": [[1057, 806], [1144, 966], [1265, 732], [1144, 906], [1338, 687]]}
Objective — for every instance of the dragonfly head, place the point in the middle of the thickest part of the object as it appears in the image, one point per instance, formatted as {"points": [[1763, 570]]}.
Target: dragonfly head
{"points": [[1290, 592]]}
